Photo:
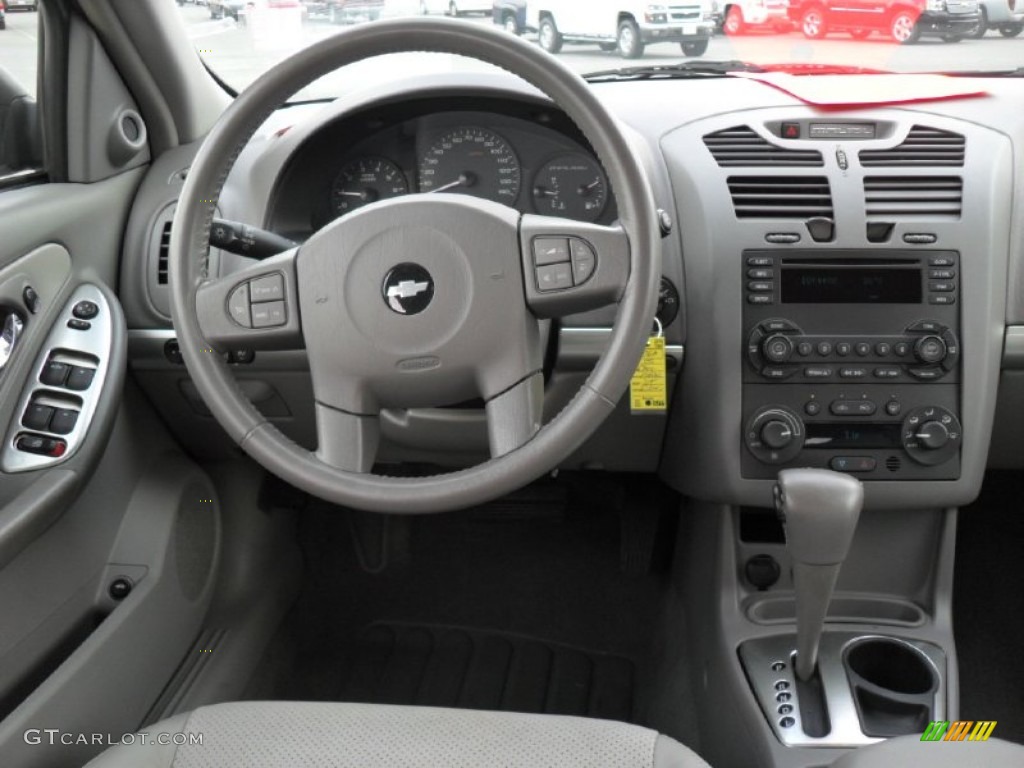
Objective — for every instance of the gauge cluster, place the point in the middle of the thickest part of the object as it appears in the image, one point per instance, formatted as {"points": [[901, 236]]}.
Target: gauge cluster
{"points": [[528, 158]]}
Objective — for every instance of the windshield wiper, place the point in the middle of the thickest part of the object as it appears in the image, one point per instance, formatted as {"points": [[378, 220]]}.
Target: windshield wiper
{"points": [[688, 69]]}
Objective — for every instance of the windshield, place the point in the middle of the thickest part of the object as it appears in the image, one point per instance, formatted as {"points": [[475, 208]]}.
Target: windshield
{"points": [[239, 40]]}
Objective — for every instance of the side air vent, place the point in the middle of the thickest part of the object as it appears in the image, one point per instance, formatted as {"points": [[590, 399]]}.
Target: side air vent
{"points": [[920, 196], [780, 197], [163, 249], [741, 146], [923, 147]]}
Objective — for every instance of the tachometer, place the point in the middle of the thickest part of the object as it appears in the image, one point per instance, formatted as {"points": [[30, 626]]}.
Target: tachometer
{"points": [[572, 186], [366, 180], [471, 161]]}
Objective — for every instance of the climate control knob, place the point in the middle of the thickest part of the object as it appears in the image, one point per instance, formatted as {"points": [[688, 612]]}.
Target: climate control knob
{"points": [[777, 348], [931, 435], [930, 350], [774, 434]]}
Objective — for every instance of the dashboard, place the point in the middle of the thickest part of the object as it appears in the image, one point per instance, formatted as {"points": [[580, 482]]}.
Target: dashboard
{"points": [[845, 283], [529, 158]]}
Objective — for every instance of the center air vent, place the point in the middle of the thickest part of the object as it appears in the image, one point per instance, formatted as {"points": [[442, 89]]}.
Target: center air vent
{"points": [[741, 146], [924, 147], [780, 197], [919, 196]]}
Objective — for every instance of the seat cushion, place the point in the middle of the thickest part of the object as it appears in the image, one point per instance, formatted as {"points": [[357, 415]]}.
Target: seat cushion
{"points": [[330, 735], [908, 751]]}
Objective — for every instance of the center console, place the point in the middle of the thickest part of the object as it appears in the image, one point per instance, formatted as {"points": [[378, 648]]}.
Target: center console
{"points": [[851, 362]]}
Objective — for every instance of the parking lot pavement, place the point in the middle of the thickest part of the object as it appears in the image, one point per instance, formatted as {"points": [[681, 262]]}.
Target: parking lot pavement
{"points": [[240, 52]]}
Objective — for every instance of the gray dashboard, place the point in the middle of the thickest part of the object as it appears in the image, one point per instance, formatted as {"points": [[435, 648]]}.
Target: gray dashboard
{"points": [[284, 180]]}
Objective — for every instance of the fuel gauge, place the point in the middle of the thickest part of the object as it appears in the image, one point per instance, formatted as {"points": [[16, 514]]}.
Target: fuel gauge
{"points": [[572, 186]]}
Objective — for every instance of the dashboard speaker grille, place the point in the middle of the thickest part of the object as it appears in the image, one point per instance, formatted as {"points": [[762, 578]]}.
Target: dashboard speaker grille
{"points": [[741, 146], [931, 196], [893, 463], [923, 147], [165, 246], [780, 197]]}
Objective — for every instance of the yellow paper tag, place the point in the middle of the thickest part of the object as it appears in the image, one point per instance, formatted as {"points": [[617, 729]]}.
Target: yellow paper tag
{"points": [[648, 389]]}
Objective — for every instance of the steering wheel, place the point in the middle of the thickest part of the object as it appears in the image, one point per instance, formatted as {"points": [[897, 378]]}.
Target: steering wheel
{"points": [[417, 301]]}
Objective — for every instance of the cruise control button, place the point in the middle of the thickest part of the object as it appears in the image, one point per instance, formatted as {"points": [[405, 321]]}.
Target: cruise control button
{"points": [[584, 262], [852, 463], [269, 288], [887, 372], [80, 378], [37, 417], [853, 373], [85, 310], [550, 250], [54, 374], [817, 372], [268, 314], [64, 420], [554, 277], [238, 306]]}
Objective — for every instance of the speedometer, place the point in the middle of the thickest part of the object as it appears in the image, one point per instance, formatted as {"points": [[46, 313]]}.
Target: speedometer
{"points": [[471, 161], [366, 180]]}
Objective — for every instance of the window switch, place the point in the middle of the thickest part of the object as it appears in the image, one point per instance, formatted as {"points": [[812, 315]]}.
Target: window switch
{"points": [[64, 420], [54, 374], [80, 379], [37, 417]]}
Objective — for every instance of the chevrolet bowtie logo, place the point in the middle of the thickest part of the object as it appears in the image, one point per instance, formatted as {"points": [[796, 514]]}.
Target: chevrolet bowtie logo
{"points": [[408, 289]]}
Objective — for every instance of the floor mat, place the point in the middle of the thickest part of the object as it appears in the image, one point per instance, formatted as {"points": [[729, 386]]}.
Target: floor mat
{"points": [[466, 668], [988, 606]]}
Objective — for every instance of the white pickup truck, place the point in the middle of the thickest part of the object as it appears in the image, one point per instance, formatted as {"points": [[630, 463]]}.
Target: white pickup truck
{"points": [[623, 25]]}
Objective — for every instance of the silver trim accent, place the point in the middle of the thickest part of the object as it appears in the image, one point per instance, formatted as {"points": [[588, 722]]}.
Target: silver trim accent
{"points": [[758, 655], [1013, 348], [95, 342]]}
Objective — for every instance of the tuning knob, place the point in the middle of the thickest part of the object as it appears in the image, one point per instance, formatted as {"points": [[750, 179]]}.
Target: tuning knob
{"points": [[776, 434], [777, 348], [930, 350]]}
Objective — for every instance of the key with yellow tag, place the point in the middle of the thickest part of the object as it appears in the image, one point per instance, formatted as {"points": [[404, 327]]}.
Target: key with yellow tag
{"points": [[648, 389]]}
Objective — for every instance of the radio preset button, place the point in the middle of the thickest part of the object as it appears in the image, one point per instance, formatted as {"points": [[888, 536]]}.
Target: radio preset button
{"points": [[901, 348], [853, 373], [818, 372], [805, 348], [882, 349], [843, 348], [824, 348], [863, 349]]}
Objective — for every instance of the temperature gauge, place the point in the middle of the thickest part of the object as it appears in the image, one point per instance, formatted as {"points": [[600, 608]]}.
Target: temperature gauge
{"points": [[367, 180], [572, 186]]}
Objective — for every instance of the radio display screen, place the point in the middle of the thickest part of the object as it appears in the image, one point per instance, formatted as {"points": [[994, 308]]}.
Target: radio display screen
{"points": [[851, 285]]}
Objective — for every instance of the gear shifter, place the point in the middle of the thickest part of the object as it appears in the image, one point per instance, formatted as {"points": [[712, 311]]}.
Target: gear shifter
{"points": [[819, 509]]}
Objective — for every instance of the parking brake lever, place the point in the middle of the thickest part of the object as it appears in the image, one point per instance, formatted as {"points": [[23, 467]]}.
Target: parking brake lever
{"points": [[245, 240], [819, 509]]}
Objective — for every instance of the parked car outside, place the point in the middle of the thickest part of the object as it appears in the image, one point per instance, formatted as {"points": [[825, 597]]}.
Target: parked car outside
{"points": [[220, 9], [627, 26], [22, 5], [3, 21], [456, 7], [905, 21], [1007, 16], [740, 16], [511, 14]]}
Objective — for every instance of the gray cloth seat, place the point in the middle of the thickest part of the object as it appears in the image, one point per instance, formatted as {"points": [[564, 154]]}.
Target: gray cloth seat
{"points": [[910, 752], [256, 734]]}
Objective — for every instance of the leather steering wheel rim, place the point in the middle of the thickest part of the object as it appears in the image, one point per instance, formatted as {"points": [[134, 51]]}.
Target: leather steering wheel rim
{"points": [[554, 441]]}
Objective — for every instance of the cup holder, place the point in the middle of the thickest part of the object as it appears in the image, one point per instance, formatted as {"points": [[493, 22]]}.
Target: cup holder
{"points": [[893, 685]]}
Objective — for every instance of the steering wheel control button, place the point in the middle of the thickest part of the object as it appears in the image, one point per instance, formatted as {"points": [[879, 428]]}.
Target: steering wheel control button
{"points": [[853, 464], [268, 314], [554, 277], [584, 261], [238, 306], [550, 250], [37, 417], [408, 289], [79, 325], [85, 310], [80, 378], [30, 299], [54, 374], [42, 446], [63, 422], [269, 288]]}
